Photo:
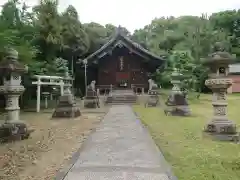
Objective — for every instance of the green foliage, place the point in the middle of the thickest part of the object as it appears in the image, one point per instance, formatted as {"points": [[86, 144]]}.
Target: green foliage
{"points": [[75, 39], [97, 34], [43, 35], [48, 32], [186, 39]]}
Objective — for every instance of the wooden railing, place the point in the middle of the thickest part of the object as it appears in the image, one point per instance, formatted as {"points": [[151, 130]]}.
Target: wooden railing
{"points": [[107, 89]]}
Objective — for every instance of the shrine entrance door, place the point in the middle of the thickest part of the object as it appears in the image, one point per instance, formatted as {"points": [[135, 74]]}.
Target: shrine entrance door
{"points": [[123, 80]]}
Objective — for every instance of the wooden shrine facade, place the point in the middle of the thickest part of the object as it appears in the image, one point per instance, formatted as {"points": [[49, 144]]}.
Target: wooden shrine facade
{"points": [[122, 63]]}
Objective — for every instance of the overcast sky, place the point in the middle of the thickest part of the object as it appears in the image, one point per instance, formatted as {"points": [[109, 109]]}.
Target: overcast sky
{"points": [[135, 14]]}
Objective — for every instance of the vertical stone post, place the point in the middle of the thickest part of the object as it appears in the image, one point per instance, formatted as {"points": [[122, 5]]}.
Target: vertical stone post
{"points": [[46, 95], [61, 87], [218, 62], [98, 92]]}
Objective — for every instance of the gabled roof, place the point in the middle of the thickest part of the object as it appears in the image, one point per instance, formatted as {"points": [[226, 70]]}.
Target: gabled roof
{"points": [[119, 39]]}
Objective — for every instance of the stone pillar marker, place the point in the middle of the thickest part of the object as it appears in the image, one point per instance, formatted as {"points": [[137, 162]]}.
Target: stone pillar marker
{"points": [[11, 70], [218, 62], [153, 94], [177, 104], [46, 95], [91, 99]]}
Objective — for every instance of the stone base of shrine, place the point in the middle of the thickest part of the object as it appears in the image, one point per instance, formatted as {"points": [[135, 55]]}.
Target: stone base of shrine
{"points": [[177, 111], [14, 131], [222, 130], [66, 112], [66, 107], [177, 105], [91, 102], [223, 137]]}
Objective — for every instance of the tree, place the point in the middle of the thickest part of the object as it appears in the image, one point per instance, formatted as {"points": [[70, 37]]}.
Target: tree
{"points": [[14, 30], [48, 30], [75, 39], [229, 21], [173, 37]]}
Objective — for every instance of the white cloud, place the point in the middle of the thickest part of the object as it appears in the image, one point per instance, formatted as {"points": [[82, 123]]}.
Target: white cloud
{"points": [[134, 14]]}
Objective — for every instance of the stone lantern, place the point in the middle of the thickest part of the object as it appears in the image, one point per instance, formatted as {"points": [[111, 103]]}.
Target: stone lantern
{"points": [[46, 95], [11, 70], [67, 107], [218, 62], [176, 81], [176, 103], [67, 82]]}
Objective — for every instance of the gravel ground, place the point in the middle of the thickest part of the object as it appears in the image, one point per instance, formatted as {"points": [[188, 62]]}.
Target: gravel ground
{"points": [[48, 149]]}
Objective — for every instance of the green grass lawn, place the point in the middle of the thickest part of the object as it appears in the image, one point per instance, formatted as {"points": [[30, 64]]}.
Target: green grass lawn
{"points": [[192, 156]]}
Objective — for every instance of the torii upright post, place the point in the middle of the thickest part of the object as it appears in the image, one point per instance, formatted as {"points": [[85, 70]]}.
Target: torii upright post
{"points": [[52, 80], [38, 94]]}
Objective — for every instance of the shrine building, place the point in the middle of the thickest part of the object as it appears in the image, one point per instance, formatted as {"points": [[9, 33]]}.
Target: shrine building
{"points": [[122, 63]]}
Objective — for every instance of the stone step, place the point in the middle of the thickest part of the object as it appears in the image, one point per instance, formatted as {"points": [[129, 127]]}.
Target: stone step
{"points": [[122, 97], [121, 101]]}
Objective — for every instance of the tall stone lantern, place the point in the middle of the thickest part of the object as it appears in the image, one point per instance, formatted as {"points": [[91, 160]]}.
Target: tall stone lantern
{"points": [[10, 71], [218, 62]]}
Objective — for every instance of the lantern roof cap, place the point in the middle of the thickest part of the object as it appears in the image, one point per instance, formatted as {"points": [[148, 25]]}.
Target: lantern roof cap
{"points": [[11, 64], [219, 55]]}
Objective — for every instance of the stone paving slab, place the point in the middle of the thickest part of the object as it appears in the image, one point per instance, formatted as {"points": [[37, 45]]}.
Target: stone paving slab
{"points": [[120, 149]]}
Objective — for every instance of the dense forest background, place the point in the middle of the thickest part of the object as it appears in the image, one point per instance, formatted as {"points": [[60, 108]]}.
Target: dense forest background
{"points": [[46, 39]]}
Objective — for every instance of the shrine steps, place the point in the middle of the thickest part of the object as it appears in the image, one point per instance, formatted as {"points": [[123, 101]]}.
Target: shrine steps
{"points": [[122, 97]]}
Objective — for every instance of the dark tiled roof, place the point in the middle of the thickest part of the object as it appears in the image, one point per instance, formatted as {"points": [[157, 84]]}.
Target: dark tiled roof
{"points": [[120, 38]]}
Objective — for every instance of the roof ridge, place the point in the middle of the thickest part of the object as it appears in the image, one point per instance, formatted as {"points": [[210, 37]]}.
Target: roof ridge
{"points": [[115, 37]]}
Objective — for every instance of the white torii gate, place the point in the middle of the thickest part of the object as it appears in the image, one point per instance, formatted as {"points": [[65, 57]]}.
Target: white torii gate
{"points": [[49, 80]]}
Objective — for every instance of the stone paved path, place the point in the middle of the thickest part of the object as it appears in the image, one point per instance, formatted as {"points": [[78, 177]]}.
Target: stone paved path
{"points": [[120, 149]]}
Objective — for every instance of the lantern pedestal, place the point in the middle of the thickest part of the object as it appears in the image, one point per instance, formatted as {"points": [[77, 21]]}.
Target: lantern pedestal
{"points": [[220, 127]]}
